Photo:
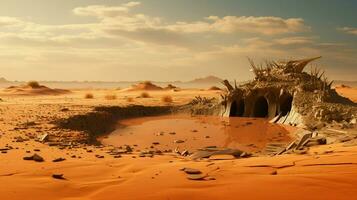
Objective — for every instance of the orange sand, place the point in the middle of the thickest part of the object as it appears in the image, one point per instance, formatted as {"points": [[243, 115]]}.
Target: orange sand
{"points": [[326, 172], [351, 93]]}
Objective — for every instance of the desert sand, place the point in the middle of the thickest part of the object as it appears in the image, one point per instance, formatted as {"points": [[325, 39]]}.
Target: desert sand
{"points": [[89, 172]]}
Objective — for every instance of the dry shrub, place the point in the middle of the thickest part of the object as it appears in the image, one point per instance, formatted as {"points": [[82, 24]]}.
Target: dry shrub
{"points": [[144, 95], [130, 99], [110, 97], [147, 82], [89, 96], [33, 84], [166, 99]]}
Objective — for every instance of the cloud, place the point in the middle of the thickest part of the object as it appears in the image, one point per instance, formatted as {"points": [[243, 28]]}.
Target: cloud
{"points": [[349, 30], [131, 4], [120, 18], [9, 21], [102, 11], [154, 36], [295, 40], [267, 25]]}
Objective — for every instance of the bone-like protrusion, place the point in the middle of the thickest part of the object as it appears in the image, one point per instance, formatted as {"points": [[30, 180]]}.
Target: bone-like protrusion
{"points": [[228, 85], [299, 65]]}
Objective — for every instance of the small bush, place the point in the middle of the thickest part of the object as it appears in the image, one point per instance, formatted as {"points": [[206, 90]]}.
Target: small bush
{"points": [[129, 99], [144, 95], [166, 99], [33, 84], [89, 96], [110, 97], [147, 82]]}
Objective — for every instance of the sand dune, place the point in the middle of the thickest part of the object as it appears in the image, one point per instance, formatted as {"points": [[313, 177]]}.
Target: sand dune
{"points": [[34, 89], [144, 86], [348, 92]]}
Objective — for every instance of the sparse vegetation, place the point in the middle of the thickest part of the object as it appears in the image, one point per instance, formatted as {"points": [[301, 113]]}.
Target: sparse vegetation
{"points": [[144, 95], [33, 84], [147, 83], [89, 96], [129, 99], [166, 99], [110, 97]]}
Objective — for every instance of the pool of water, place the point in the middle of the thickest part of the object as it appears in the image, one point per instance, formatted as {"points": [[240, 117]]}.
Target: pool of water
{"points": [[187, 132]]}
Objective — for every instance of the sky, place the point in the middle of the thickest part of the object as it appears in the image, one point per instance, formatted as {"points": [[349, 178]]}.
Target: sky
{"points": [[166, 40]]}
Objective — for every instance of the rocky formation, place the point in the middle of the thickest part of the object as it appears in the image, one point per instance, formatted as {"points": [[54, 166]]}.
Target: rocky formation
{"points": [[283, 93]]}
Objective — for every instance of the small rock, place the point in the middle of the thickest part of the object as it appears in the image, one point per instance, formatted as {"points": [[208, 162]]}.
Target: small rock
{"points": [[58, 176], [160, 134], [192, 171], [274, 172], [196, 177], [28, 158], [128, 149], [37, 158], [178, 141], [185, 153], [58, 160], [34, 157], [43, 138]]}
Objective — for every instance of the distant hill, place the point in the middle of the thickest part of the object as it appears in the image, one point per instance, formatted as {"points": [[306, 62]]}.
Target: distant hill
{"points": [[207, 80], [3, 80]]}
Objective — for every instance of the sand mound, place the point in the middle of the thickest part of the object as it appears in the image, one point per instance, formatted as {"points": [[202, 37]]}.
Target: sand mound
{"points": [[34, 88], [214, 88], [147, 85], [171, 87]]}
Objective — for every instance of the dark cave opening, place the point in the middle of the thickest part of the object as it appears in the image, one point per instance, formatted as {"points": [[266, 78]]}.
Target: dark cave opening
{"points": [[237, 109], [261, 107], [285, 105]]}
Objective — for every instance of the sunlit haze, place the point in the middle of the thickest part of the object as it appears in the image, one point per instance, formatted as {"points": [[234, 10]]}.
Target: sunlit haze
{"points": [[166, 40]]}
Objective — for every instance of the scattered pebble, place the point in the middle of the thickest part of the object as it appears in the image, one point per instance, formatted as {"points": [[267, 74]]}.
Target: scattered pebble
{"points": [[178, 141], [58, 160], [58, 176]]}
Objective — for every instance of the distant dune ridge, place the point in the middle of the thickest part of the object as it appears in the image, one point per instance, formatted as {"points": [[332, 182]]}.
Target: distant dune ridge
{"points": [[208, 79], [203, 82], [146, 85], [3, 80], [34, 88], [149, 86]]}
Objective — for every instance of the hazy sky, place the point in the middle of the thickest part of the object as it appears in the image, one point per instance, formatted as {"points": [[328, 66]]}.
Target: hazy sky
{"points": [[163, 40]]}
